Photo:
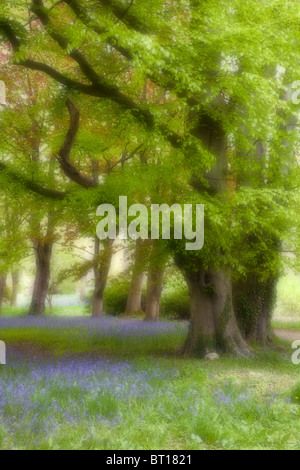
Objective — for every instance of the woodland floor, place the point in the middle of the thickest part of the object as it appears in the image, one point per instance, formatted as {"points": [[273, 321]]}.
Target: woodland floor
{"points": [[77, 383], [289, 335]]}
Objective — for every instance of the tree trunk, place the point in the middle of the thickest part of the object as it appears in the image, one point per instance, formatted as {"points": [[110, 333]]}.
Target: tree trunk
{"points": [[15, 288], [2, 290], [154, 291], [43, 252], [254, 302], [156, 269], [134, 299], [101, 271], [82, 289], [50, 302], [213, 326]]}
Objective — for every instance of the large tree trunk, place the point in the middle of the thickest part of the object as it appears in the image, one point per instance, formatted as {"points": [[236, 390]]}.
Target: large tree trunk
{"points": [[2, 290], [254, 301], [43, 252], [134, 299], [15, 288], [101, 271], [213, 326]]}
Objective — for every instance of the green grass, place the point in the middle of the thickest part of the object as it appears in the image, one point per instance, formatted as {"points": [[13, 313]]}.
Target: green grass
{"points": [[286, 324], [58, 342], [76, 311], [62, 394], [295, 396]]}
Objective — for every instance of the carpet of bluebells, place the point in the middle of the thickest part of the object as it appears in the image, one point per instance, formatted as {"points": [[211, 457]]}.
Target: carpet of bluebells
{"points": [[101, 384]]}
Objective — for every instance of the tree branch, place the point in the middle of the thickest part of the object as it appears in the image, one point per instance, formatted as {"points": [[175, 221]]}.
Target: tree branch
{"points": [[82, 14], [64, 154], [166, 81], [41, 12], [123, 160], [31, 185], [123, 14], [100, 88]]}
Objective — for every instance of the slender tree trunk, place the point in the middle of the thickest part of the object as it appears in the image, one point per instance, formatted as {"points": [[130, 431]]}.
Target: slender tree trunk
{"points": [[15, 288], [50, 301], [43, 252], [154, 291], [2, 290], [213, 326], [254, 302], [156, 270], [101, 271], [134, 299], [82, 289]]}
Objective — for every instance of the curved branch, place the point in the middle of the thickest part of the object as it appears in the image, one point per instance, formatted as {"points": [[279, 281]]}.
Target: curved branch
{"points": [[64, 155]]}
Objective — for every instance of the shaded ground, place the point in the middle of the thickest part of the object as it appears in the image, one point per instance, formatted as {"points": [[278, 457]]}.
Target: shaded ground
{"points": [[89, 337], [73, 336]]}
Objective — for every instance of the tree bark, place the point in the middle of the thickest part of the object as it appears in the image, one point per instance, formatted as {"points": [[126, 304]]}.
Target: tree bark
{"points": [[156, 269], [254, 301], [213, 326], [15, 288], [82, 289], [2, 290], [154, 291], [134, 299], [43, 252], [101, 271]]}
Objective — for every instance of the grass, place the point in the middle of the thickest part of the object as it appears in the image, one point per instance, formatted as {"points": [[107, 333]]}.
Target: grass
{"points": [[109, 336], [296, 393], [78, 310], [121, 385], [287, 324]]}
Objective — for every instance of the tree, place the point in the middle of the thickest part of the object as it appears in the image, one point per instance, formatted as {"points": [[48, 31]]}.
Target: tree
{"points": [[220, 95], [134, 299], [156, 269]]}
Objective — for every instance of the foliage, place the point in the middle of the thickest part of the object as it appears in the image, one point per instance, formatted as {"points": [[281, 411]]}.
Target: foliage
{"points": [[115, 296], [175, 301], [288, 297], [157, 79]]}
